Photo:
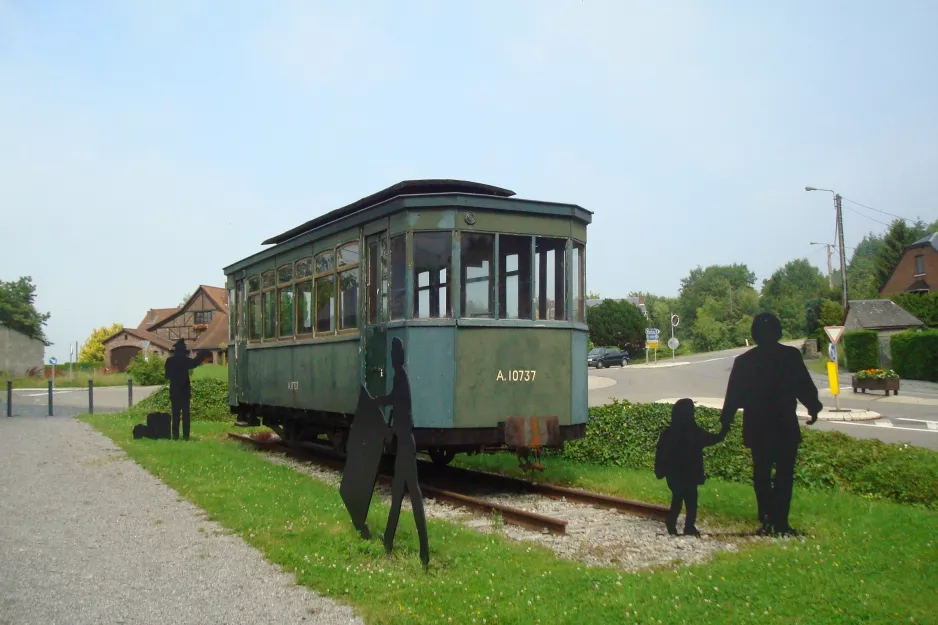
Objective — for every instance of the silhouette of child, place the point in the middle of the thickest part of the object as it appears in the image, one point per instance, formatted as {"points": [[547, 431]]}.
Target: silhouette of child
{"points": [[679, 459]]}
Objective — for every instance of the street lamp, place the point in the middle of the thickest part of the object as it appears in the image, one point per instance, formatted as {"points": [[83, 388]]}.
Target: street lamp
{"points": [[840, 235]]}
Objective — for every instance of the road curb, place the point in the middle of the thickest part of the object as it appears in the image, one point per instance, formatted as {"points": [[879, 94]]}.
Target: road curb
{"points": [[825, 415]]}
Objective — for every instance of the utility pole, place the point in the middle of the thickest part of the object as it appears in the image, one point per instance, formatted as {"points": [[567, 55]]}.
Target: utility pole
{"points": [[843, 261], [830, 270]]}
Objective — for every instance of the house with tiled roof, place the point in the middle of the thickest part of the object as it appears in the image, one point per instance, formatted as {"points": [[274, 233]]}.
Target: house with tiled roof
{"points": [[917, 269], [202, 322]]}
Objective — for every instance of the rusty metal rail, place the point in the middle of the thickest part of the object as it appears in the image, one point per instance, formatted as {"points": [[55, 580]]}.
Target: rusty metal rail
{"points": [[323, 456]]}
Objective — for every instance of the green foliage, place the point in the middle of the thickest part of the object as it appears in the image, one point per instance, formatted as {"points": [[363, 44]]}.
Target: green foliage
{"points": [[786, 292], [899, 235], [861, 270], [615, 322], [18, 309], [830, 314], [149, 371], [93, 349], [861, 349], [625, 435], [715, 304], [915, 354], [209, 401], [922, 306]]}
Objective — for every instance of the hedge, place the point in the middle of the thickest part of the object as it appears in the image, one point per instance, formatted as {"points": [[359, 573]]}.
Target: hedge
{"points": [[209, 401], [915, 354], [861, 349], [923, 306], [624, 434]]}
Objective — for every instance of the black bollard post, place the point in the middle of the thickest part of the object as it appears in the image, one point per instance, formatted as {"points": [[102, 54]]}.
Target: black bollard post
{"points": [[50, 398], [90, 396], [9, 398], [130, 392]]}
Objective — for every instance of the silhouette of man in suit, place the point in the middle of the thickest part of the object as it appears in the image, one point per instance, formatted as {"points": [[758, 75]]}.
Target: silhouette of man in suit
{"points": [[405, 462], [180, 390], [766, 382]]}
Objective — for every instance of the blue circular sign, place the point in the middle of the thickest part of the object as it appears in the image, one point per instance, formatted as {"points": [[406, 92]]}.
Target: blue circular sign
{"points": [[832, 352], [52, 360]]}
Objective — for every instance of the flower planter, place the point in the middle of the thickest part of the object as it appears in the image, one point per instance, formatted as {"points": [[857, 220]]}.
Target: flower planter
{"points": [[885, 384]]}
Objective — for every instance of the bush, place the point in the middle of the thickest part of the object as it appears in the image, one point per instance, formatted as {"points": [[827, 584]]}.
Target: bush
{"points": [[923, 306], [149, 372], [861, 349], [209, 401], [625, 435], [915, 354]]}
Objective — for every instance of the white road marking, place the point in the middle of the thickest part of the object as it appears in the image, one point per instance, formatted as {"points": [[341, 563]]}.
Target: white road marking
{"points": [[891, 426], [932, 425], [46, 393]]}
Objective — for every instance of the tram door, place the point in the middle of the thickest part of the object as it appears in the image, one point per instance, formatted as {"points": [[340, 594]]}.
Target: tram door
{"points": [[375, 336]]}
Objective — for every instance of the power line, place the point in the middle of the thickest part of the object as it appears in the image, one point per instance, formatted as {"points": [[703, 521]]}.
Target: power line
{"points": [[870, 218], [875, 209]]}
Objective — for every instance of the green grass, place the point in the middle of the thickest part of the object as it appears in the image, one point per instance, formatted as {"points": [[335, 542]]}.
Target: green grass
{"points": [[210, 372], [78, 379], [864, 561]]}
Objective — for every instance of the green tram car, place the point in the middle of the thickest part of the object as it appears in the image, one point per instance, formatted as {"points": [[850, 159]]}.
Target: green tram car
{"points": [[486, 292]]}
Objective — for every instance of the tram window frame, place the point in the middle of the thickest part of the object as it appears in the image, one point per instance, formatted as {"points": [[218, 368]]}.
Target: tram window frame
{"points": [[520, 246], [542, 310], [233, 312], [285, 287], [578, 280], [348, 280], [439, 287], [255, 319], [269, 304], [324, 273], [373, 281], [477, 246], [398, 277], [303, 286]]}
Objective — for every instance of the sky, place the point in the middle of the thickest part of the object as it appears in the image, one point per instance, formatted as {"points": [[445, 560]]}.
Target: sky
{"points": [[145, 145]]}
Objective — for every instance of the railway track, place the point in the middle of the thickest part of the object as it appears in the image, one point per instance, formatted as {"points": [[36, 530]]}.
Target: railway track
{"points": [[443, 483]]}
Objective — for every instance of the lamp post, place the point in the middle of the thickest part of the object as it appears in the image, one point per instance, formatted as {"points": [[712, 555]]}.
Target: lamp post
{"points": [[840, 236]]}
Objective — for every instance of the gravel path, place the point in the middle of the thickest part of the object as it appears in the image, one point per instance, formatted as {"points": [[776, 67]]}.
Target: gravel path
{"points": [[88, 536]]}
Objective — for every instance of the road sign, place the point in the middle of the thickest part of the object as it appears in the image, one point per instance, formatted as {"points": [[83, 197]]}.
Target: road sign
{"points": [[832, 352], [653, 344], [651, 334], [673, 343], [52, 360], [675, 320], [834, 333]]}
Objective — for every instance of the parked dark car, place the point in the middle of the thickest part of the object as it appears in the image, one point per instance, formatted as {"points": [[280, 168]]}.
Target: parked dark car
{"points": [[600, 357]]}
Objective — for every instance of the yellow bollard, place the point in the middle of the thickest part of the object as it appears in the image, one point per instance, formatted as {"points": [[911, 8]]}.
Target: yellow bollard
{"points": [[832, 377]]}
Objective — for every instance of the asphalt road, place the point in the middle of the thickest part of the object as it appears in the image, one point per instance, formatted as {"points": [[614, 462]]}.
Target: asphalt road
{"points": [[910, 417], [73, 401]]}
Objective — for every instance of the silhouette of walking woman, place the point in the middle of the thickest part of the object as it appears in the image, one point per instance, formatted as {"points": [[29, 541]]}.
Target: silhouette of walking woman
{"points": [[405, 462]]}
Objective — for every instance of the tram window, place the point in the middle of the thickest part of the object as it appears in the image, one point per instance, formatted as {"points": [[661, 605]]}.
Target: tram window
{"points": [[286, 311], [254, 316], [285, 274], [578, 281], [398, 276], [477, 253], [270, 314], [374, 282], [348, 286], [254, 283], [304, 307], [232, 314], [550, 279], [325, 304], [433, 259], [514, 277]]}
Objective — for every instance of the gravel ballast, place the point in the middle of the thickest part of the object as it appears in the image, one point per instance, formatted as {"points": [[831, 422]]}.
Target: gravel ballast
{"points": [[89, 537]]}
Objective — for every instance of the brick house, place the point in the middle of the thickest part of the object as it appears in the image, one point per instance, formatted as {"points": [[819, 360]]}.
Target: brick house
{"points": [[917, 269], [202, 322]]}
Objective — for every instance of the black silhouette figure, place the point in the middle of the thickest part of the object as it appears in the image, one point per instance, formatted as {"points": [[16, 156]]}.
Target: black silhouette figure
{"points": [[766, 382], [157, 426], [365, 448], [405, 460], [180, 390], [679, 459]]}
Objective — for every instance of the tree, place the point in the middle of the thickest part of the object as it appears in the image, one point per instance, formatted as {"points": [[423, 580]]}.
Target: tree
{"points": [[862, 280], [614, 322], [185, 298], [784, 294], [18, 309], [899, 235], [717, 281], [93, 348]]}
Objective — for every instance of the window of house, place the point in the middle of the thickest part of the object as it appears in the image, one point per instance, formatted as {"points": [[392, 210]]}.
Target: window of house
{"points": [[514, 277], [433, 260], [325, 292], [398, 276], [477, 255], [254, 308], [203, 317], [304, 296], [285, 300], [268, 295], [348, 278], [550, 281], [920, 265], [578, 281]]}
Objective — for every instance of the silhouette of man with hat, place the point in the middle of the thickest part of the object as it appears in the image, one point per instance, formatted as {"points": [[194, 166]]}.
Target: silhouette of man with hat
{"points": [[766, 383], [180, 390]]}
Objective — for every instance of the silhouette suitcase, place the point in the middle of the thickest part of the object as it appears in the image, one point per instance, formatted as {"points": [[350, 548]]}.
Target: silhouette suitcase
{"points": [[159, 425]]}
